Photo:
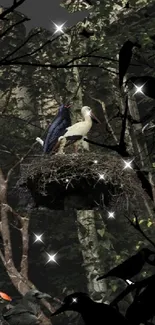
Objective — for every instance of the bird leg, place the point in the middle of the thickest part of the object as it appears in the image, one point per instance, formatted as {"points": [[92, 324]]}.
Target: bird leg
{"points": [[76, 146], [62, 145]]}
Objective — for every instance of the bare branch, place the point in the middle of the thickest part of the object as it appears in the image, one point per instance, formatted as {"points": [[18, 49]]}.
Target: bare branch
{"points": [[137, 227], [2, 258], [40, 47], [25, 242], [19, 217], [19, 162], [18, 48], [11, 9], [124, 121], [106, 118], [55, 66], [6, 233], [9, 116], [13, 25]]}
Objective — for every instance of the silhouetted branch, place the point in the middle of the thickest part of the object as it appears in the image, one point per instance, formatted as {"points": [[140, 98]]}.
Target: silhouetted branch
{"points": [[13, 25], [11, 9], [124, 121], [138, 285], [97, 57], [18, 48], [54, 66], [137, 227]]}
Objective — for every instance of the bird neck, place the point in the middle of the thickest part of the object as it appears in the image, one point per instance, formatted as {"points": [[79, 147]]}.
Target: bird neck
{"points": [[88, 119]]}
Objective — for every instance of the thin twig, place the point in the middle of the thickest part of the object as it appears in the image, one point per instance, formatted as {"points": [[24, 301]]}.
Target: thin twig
{"points": [[11, 9], [19, 162], [13, 25], [137, 227], [18, 48]]}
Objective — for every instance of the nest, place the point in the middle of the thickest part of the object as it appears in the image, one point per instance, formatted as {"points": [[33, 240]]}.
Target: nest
{"points": [[52, 179]]}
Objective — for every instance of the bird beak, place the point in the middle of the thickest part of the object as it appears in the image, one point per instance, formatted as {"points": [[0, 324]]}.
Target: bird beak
{"points": [[94, 118], [59, 310]]}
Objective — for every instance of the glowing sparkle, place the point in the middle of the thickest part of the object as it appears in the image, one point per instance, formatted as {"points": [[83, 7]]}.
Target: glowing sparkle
{"points": [[111, 215], [67, 180], [139, 89], [51, 258], [127, 164], [129, 282], [74, 300], [101, 176], [38, 238], [58, 28], [95, 161]]}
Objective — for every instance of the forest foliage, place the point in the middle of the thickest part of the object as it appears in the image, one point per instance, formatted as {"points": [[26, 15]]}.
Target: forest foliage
{"points": [[38, 73]]}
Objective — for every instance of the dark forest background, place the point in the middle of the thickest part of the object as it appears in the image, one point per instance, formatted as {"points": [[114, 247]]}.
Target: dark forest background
{"points": [[38, 72]]}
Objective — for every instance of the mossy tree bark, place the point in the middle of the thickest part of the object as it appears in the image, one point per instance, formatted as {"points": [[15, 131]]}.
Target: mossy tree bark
{"points": [[90, 251]]}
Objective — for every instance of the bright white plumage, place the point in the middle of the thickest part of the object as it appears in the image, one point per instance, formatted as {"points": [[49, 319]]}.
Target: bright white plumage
{"points": [[79, 129]]}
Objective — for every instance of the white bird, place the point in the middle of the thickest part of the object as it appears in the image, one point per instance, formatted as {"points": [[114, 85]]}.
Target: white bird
{"points": [[78, 130], [39, 140]]}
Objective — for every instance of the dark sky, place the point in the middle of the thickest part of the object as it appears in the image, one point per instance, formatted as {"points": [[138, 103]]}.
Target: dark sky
{"points": [[42, 12]]}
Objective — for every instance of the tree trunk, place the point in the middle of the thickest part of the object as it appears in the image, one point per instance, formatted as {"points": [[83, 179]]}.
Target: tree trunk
{"points": [[19, 279], [139, 143], [89, 244]]}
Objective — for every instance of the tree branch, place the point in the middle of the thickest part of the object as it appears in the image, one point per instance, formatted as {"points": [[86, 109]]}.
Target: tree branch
{"points": [[54, 66], [106, 118], [25, 242], [11, 9], [18, 48], [138, 228], [124, 121], [19, 162], [13, 25]]}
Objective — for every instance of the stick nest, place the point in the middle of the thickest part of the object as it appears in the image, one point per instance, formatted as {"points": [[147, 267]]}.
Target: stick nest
{"points": [[52, 175]]}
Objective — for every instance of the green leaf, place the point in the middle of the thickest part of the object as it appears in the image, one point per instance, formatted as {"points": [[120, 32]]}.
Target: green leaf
{"points": [[114, 287], [141, 221], [101, 232], [149, 224]]}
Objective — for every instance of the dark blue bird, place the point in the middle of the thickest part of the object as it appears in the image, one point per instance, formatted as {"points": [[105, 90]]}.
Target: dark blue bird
{"points": [[91, 311], [58, 128]]}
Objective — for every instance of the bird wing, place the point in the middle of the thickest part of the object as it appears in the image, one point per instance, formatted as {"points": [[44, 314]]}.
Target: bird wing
{"points": [[72, 139], [78, 129], [57, 129]]}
